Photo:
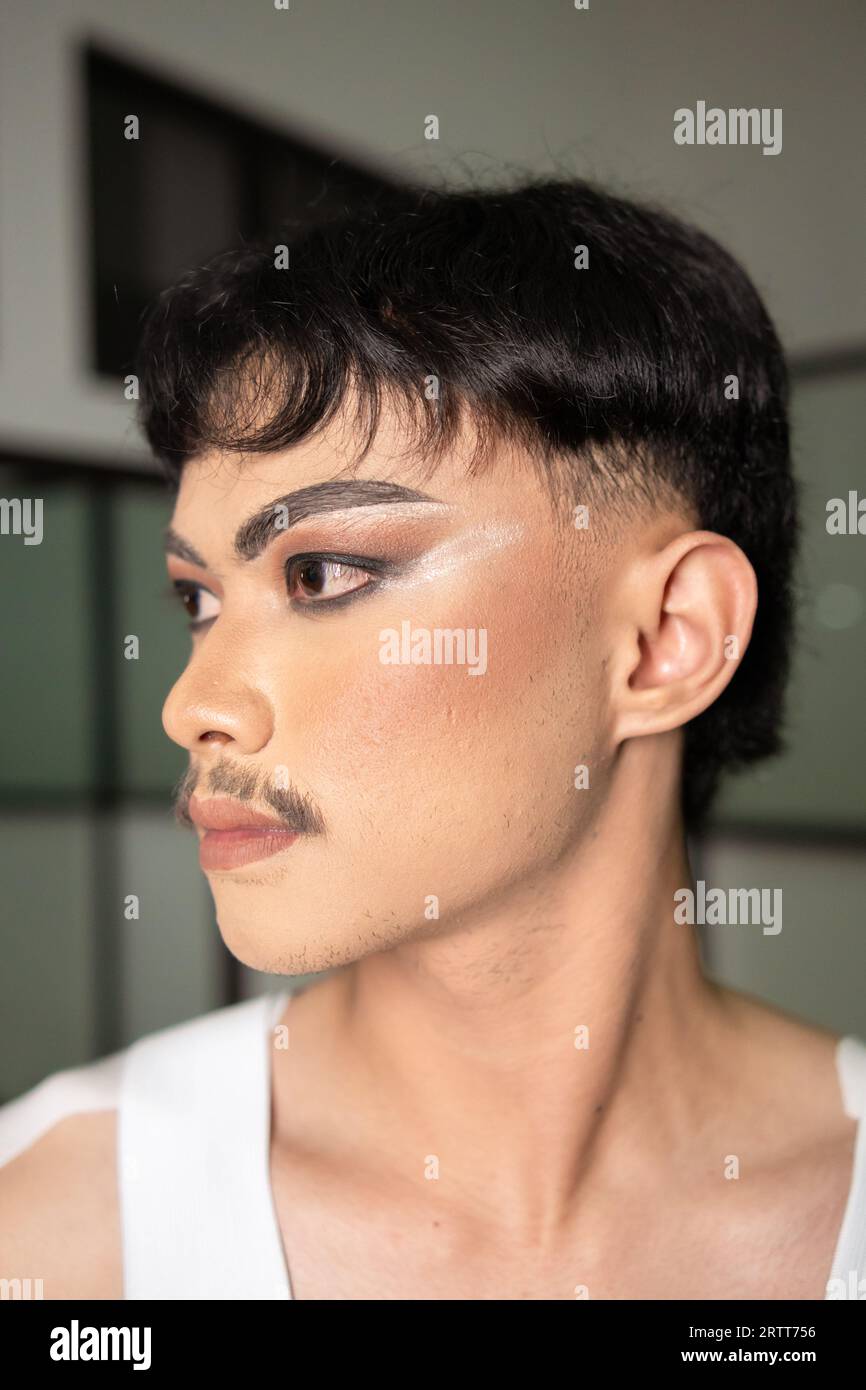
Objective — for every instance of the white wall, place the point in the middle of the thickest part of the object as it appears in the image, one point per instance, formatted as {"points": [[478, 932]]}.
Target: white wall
{"points": [[531, 83]]}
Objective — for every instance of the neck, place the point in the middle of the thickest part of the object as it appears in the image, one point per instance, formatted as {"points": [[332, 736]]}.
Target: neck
{"points": [[560, 1031]]}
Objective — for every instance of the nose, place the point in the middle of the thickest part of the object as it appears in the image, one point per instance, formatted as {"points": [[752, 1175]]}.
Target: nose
{"points": [[212, 703]]}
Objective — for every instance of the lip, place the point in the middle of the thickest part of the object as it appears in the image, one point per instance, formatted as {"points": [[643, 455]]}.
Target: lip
{"points": [[235, 835]]}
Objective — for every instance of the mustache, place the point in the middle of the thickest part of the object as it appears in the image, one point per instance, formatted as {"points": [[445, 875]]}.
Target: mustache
{"points": [[296, 809]]}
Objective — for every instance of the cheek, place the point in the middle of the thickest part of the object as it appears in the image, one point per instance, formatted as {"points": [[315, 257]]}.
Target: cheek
{"points": [[381, 726]]}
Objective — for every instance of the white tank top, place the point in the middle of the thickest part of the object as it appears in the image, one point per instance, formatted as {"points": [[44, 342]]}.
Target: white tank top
{"points": [[194, 1117]]}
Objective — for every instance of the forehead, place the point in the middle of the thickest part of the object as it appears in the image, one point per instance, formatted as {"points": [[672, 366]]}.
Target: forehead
{"points": [[220, 490]]}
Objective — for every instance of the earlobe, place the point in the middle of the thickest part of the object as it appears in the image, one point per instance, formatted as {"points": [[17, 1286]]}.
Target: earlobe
{"points": [[689, 624]]}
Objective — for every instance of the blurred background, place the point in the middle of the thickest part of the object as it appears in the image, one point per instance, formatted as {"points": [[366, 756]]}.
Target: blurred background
{"points": [[249, 113]]}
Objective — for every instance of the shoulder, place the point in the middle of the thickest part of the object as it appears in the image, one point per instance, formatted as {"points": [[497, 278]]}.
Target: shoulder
{"points": [[61, 1096], [802, 1097], [59, 1220], [60, 1147], [826, 1067], [812, 1076], [98, 1086]]}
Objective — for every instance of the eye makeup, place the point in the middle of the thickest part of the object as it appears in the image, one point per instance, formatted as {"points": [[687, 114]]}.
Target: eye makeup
{"points": [[376, 569], [384, 548], [467, 548], [406, 551], [185, 591]]}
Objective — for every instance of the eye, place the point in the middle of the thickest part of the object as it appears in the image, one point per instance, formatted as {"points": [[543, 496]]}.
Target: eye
{"points": [[322, 578], [200, 604]]}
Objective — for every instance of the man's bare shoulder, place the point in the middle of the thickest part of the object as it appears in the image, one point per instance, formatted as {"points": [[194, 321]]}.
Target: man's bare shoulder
{"points": [[791, 1067], [59, 1211]]}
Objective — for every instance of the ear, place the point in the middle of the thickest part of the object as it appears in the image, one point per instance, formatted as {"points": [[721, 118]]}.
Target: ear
{"points": [[685, 616]]}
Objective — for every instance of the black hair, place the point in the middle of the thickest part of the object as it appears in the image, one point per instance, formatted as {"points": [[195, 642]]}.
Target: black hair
{"points": [[615, 362]]}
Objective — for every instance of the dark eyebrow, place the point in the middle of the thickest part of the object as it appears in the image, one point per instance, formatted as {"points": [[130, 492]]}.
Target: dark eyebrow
{"points": [[176, 545], [259, 530]]}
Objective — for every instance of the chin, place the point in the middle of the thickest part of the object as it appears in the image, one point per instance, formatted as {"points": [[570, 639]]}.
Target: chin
{"points": [[270, 949], [280, 933], [284, 931]]}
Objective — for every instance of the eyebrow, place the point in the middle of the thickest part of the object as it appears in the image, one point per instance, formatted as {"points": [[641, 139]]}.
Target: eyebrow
{"points": [[259, 530]]}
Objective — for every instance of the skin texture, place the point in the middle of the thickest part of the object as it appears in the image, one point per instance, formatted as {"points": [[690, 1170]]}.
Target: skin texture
{"points": [[453, 1037]]}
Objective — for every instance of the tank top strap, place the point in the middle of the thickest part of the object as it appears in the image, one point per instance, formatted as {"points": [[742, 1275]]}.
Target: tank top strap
{"points": [[851, 1061], [848, 1275], [197, 1214]]}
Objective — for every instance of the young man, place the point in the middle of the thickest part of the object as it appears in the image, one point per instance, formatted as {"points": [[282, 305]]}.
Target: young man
{"points": [[484, 527]]}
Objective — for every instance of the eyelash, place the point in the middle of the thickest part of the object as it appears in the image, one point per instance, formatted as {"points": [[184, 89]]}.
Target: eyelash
{"points": [[181, 589], [363, 563]]}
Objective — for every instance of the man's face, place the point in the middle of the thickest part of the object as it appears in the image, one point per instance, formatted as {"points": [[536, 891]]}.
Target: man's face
{"points": [[429, 789]]}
